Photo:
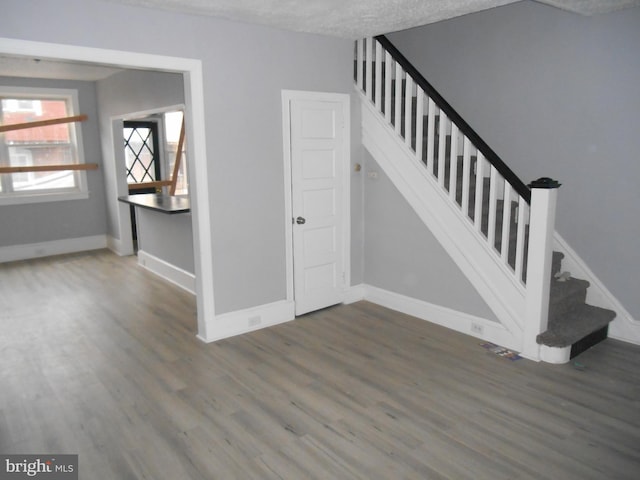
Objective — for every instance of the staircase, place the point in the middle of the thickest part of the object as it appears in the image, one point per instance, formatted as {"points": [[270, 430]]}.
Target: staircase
{"points": [[460, 188], [574, 325]]}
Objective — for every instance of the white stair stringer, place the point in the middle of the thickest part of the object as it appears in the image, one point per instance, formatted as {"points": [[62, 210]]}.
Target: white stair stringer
{"points": [[498, 286]]}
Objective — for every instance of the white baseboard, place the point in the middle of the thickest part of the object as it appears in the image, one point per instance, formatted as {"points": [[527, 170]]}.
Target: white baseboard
{"points": [[624, 327], [117, 247], [250, 319], [255, 318], [462, 322], [56, 247], [355, 293], [181, 278]]}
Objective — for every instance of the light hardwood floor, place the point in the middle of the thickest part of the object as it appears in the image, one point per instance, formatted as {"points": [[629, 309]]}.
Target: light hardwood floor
{"points": [[99, 357]]}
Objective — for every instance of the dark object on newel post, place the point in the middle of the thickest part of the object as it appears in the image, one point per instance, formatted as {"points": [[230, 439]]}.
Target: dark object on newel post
{"points": [[544, 182]]}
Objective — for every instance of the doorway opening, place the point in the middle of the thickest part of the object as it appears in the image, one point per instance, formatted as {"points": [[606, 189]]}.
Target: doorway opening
{"points": [[154, 156], [191, 69]]}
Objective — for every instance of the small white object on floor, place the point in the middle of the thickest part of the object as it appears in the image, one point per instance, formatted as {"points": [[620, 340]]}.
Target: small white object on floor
{"points": [[562, 276]]}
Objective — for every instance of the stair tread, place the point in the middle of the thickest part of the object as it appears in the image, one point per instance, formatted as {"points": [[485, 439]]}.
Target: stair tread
{"points": [[576, 325]]}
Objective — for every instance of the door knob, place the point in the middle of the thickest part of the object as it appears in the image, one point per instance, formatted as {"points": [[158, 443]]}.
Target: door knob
{"points": [[300, 220]]}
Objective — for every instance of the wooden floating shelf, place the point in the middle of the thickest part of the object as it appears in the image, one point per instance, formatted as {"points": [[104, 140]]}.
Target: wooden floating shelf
{"points": [[140, 186], [42, 123], [49, 168]]}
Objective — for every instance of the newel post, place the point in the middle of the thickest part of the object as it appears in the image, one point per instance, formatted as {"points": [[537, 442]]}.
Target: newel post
{"points": [[544, 194]]}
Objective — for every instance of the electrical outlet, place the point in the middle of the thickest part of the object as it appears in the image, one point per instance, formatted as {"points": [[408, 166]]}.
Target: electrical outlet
{"points": [[477, 328], [253, 321]]}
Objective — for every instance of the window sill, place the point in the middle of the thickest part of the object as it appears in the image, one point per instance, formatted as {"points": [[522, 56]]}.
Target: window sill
{"points": [[21, 199]]}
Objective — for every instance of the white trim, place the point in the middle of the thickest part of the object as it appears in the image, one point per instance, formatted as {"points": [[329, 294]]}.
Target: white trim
{"points": [[45, 195], [139, 115], [624, 327], [466, 246], [493, 332], [23, 198], [177, 276], [288, 202], [541, 229], [555, 355], [355, 294], [196, 134], [250, 319], [345, 100], [115, 245], [55, 247]]}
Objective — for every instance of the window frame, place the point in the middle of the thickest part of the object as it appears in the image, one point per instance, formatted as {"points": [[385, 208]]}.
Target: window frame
{"points": [[80, 190]]}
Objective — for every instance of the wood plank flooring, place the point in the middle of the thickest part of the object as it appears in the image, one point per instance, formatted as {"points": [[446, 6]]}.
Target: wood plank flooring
{"points": [[99, 357]]}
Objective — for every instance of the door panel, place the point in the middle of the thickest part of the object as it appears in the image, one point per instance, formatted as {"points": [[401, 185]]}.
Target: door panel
{"points": [[317, 169]]}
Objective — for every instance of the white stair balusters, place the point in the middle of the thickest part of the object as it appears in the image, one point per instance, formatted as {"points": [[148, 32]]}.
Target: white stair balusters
{"points": [[419, 122], [397, 88], [369, 68], [442, 147], [398, 98], [477, 214], [378, 76], [521, 236], [388, 69], [408, 110], [453, 163], [466, 172]]}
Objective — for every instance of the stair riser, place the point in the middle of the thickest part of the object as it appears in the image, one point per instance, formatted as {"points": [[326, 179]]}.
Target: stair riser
{"points": [[589, 341]]}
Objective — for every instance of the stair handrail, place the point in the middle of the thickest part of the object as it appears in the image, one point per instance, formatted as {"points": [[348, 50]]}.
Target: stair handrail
{"points": [[491, 156]]}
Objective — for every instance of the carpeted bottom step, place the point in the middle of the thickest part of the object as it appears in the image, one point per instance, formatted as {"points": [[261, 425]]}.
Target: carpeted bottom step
{"points": [[575, 326]]}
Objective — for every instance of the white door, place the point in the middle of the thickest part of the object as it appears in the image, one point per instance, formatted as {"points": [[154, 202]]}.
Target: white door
{"points": [[318, 189]]}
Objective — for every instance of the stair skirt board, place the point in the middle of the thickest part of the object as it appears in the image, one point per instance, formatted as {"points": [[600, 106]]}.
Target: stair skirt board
{"points": [[462, 322]]}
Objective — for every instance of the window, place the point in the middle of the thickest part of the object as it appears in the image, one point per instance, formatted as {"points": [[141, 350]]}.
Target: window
{"points": [[173, 124], [41, 146]]}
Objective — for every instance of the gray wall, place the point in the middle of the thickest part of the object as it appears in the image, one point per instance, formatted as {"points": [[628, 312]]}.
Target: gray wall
{"points": [[168, 237], [403, 256], [44, 222], [123, 93], [245, 67], [554, 94]]}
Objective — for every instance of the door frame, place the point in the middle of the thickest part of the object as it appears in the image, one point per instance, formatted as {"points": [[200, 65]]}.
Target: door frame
{"points": [[345, 100], [191, 70]]}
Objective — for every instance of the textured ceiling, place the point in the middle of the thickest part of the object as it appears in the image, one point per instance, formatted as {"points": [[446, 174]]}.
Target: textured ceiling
{"points": [[341, 18], [356, 18], [38, 68]]}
